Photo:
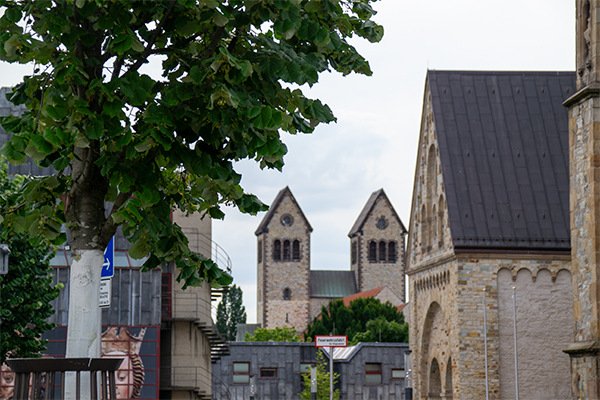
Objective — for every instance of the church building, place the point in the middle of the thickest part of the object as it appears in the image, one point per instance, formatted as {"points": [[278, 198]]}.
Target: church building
{"points": [[291, 294], [489, 221]]}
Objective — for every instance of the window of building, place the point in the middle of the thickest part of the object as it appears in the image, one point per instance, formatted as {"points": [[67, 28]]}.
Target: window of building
{"points": [[259, 251], [392, 255], [398, 373], [269, 373], [287, 253], [241, 372], [287, 294], [166, 296], [354, 252], [372, 251], [382, 251], [373, 373], [287, 220], [277, 250], [305, 368], [296, 249]]}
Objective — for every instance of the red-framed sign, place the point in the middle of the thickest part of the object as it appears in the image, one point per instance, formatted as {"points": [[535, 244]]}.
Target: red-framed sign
{"points": [[331, 341]]}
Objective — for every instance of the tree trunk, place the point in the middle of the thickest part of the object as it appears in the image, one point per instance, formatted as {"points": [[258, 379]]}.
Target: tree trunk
{"points": [[84, 325]]}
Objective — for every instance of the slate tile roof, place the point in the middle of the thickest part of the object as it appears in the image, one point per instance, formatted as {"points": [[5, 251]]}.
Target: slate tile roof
{"points": [[332, 283], [503, 146]]}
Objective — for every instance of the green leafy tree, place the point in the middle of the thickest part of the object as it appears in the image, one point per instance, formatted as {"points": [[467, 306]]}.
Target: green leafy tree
{"points": [[384, 331], [278, 334], [350, 320], [26, 290], [231, 312], [232, 72], [322, 381]]}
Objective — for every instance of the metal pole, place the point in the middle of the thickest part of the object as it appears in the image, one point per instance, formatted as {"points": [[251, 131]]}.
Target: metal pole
{"points": [[514, 296], [313, 382], [487, 387], [331, 375]]}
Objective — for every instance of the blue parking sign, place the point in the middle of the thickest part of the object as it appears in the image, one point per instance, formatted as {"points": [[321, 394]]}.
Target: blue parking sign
{"points": [[108, 268]]}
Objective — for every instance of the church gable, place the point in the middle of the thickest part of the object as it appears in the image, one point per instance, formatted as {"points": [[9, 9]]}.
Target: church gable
{"points": [[284, 211], [429, 233]]}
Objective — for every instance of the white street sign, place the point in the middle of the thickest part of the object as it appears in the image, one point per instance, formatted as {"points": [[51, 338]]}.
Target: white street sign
{"points": [[331, 341], [105, 292]]}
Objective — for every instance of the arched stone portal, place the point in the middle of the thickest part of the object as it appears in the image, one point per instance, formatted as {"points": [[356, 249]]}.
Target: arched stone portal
{"points": [[449, 379], [435, 380], [433, 344]]}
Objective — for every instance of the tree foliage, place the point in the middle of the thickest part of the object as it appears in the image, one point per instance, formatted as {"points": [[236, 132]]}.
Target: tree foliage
{"points": [[278, 334], [231, 312], [26, 290], [230, 84], [364, 315], [322, 381]]}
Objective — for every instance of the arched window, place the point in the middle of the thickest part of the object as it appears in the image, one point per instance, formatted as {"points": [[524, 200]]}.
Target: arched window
{"points": [[287, 254], [353, 252], [423, 228], [441, 222], [277, 250], [259, 251], [392, 255], [287, 294], [382, 252], [372, 251], [296, 249]]}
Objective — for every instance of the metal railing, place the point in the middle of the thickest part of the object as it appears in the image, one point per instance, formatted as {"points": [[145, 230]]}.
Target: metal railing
{"points": [[195, 378], [203, 244]]}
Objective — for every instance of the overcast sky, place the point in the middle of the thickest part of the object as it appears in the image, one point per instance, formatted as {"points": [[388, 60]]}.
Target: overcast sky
{"points": [[374, 142]]}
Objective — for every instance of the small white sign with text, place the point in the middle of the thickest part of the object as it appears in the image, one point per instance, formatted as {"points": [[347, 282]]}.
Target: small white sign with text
{"points": [[105, 292]]}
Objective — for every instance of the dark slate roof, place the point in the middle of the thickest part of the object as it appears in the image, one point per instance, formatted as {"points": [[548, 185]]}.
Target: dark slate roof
{"points": [[364, 214], [503, 145], [332, 283], [263, 227]]}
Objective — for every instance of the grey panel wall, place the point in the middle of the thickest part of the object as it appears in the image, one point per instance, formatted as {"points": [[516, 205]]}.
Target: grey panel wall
{"points": [[287, 357], [135, 298]]}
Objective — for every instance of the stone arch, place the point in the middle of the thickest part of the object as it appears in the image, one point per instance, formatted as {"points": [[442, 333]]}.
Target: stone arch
{"points": [[435, 380], [433, 331], [449, 378]]}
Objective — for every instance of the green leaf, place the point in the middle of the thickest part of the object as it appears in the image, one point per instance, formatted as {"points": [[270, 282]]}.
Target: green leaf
{"points": [[220, 20], [139, 249], [57, 112]]}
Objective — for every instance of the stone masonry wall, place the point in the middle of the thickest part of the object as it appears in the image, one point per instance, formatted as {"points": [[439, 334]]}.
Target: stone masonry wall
{"points": [[456, 332], [279, 275], [544, 328], [584, 135]]}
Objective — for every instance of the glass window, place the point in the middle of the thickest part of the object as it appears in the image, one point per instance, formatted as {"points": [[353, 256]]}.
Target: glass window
{"points": [[268, 372], [287, 253], [296, 250], [392, 252], [372, 252], [305, 368], [382, 251], [398, 374], [287, 294], [373, 373], [241, 372], [277, 250]]}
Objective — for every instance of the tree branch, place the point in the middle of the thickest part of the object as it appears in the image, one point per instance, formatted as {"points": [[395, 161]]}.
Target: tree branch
{"points": [[144, 56]]}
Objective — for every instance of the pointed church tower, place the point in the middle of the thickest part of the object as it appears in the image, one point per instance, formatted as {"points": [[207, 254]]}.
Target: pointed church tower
{"points": [[283, 239], [377, 254], [584, 154]]}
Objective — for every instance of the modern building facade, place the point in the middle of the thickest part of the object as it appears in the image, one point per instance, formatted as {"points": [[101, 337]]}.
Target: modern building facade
{"points": [[274, 370]]}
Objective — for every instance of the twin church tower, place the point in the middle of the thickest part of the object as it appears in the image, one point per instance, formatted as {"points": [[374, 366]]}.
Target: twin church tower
{"points": [[291, 294]]}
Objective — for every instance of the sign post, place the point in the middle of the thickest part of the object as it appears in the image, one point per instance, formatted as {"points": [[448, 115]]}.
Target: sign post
{"points": [[108, 271], [331, 341]]}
